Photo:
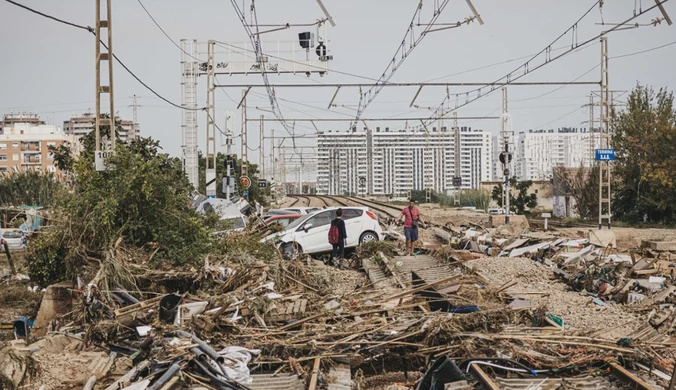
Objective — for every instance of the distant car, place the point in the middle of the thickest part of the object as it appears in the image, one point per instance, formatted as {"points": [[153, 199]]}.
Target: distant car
{"points": [[15, 238], [301, 210], [283, 220], [309, 234], [496, 211]]}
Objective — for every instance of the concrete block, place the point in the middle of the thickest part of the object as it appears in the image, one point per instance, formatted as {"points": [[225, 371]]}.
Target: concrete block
{"points": [[57, 301]]}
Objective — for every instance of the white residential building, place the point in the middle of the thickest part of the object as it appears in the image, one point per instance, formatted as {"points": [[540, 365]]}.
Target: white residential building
{"points": [[80, 126], [394, 162], [539, 151]]}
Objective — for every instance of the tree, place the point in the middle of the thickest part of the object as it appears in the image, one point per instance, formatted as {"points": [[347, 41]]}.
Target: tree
{"points": [[255, 193], [523, 199], [583, 187], [645, 157]]}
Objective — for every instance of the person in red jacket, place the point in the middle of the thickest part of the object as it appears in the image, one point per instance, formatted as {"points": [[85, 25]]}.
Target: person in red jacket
{"points": [[339, 247], [411, 215]]}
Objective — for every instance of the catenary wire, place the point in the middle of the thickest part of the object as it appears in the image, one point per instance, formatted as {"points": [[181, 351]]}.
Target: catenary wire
{"points": [[164, 32]]}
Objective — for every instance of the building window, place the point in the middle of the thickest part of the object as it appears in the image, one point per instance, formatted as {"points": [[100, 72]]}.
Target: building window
{"points": [[15, 157], [51, 144], [3, 146], [3, 157], [15, 145], [50, 156]]}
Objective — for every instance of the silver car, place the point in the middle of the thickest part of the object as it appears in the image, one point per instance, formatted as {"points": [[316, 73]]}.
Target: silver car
{"points": [[15, 239]]}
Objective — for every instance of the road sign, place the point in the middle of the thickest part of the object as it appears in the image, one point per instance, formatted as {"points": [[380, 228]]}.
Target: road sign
{"points": [[245, 182], [457, 182], [262, 183], [101, 159], [605, 154]]}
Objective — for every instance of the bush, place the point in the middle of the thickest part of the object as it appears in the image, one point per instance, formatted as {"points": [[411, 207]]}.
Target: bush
{"points": [[142, 199]]}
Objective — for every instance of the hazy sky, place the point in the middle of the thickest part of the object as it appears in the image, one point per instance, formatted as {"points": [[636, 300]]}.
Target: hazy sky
{"points": [[48, 67]]}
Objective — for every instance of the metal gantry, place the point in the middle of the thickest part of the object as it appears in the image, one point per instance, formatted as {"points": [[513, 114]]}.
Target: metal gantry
{"points": [[189, 127]]}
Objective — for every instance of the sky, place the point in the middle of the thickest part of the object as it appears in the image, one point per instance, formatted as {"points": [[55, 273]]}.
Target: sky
{"points": [[48, 68]]}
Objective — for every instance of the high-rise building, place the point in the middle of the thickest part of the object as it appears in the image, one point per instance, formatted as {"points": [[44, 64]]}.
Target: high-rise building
{"points": [[539, 151], [25, 147], [79, 126], [394, 162], [10, 120]]}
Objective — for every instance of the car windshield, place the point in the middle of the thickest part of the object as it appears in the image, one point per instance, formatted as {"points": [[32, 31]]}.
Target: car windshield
{"points": [[12, 234], [298, 221], [237, 223]]}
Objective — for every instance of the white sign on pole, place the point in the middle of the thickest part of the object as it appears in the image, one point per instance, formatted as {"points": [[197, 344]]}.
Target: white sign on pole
{"points": [[101, 159]]}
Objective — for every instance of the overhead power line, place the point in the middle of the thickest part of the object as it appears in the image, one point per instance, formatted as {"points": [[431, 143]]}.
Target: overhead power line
{"points": [[164, 32], [526, 67], [91, 30]]}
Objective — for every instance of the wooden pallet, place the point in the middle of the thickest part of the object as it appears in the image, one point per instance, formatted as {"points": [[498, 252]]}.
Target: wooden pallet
{"points": [[289, 310]]}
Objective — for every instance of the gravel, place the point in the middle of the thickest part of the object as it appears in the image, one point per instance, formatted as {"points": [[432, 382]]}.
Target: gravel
{"points": [[612, 320]]}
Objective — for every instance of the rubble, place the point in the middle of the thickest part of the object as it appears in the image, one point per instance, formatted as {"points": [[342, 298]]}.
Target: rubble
{"points": [[504, 302]]}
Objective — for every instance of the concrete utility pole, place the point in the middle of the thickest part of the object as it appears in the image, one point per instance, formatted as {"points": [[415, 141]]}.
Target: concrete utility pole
{"points": [[135, 106], [103, 55]]}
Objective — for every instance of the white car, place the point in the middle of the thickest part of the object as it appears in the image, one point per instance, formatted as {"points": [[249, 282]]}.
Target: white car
{"points": [[310, 233], [300, 210], [15, 239]]}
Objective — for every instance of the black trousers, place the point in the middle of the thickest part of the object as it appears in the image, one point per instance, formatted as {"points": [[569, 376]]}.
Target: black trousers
{"points": [[339, 249]]}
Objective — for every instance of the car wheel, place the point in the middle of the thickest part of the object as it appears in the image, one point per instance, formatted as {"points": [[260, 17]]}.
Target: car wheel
{"points": [[289, 249], [367, 237]]}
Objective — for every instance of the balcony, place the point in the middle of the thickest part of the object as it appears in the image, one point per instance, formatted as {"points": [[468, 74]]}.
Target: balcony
{"points": [[30, 147], [32, 160]]}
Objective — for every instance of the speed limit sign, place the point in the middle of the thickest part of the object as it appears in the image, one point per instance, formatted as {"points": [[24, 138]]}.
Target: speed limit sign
{"points": [[245, 182]]}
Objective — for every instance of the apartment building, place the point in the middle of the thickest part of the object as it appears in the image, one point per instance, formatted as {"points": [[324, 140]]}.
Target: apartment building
{"points": [[25, 147], [394, 162], [9, 120], [79, 126], [539, 151]]}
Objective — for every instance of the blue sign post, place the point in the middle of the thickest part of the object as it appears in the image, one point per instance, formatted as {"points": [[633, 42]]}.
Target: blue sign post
{"points": [[605, 154]]}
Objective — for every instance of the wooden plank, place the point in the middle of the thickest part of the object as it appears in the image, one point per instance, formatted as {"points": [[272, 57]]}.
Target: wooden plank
{"points": [[303, 304], [315, 374], [296, 306], [289, 308], [423, 287]]}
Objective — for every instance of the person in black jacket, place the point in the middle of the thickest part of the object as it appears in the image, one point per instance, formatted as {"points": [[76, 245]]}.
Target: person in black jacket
{"points": [[342, 238]]}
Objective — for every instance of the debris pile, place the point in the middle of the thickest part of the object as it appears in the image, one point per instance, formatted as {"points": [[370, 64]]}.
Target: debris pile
{"points": [[492, 304]]}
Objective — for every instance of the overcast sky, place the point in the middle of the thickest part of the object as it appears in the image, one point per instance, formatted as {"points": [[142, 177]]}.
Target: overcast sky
{"points": [[48, 67]]}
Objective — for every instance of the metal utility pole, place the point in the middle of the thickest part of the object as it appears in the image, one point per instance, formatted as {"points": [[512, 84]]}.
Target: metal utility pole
{"points": [[189, 126], [592, 144], [104, 55], [457, 166], [506, 155], [261, 151], [135, 106], [604, 138], [245, 138], [211, 123], [228, 156]]}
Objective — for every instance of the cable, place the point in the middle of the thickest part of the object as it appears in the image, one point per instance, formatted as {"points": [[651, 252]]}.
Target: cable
{"points": [[91, 30], [224, 91], [221, 43], [559, 88], [164, 32], [526, 69], [51, 17], [643, 51], [559, 118]]}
